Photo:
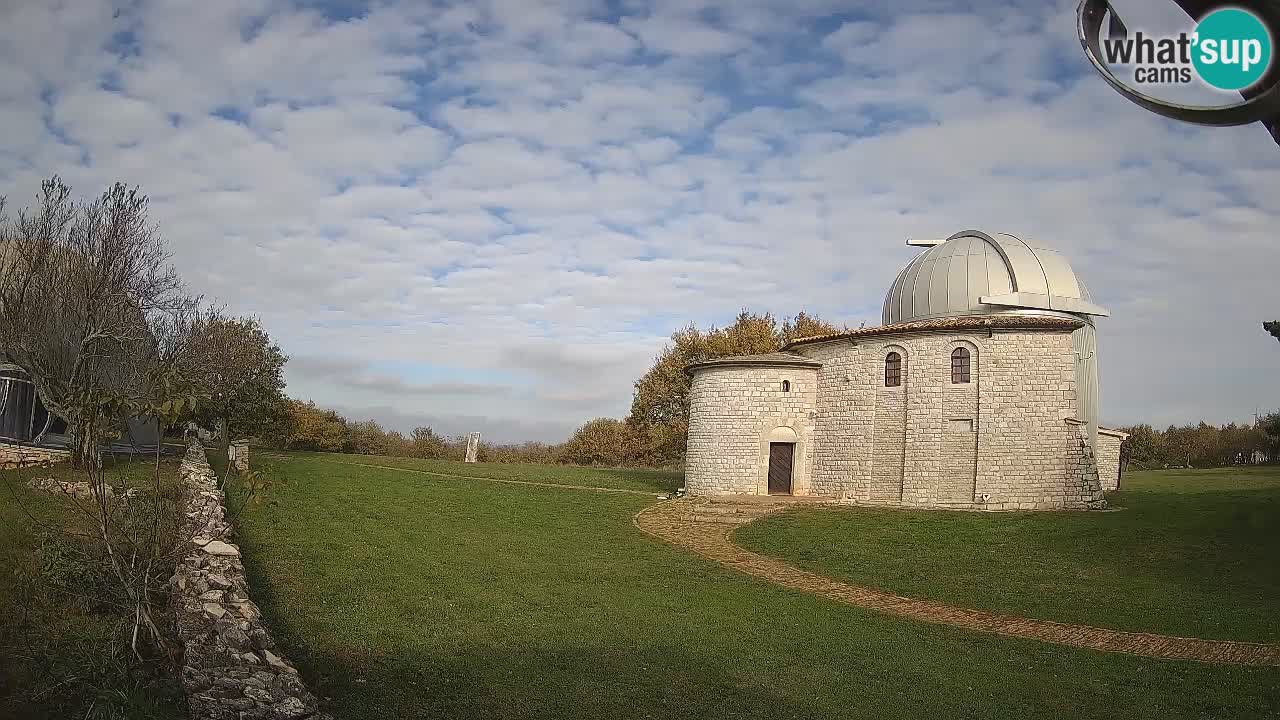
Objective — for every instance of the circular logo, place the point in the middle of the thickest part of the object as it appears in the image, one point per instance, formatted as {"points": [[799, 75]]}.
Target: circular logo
{"points": [[1232, 49]]}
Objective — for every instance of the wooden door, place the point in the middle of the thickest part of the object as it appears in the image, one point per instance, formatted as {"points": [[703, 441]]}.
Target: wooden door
{"points": [[780, 460]]}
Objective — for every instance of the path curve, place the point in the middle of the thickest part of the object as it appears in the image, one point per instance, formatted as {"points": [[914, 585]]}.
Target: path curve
{"points": [[670, 521]]}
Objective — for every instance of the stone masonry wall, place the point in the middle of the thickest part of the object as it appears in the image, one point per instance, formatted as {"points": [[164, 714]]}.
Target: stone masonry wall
{"points": [[230, 668], [13, 456], [960, 430], [1026, 447], [733, 411], [1081, 458], [889, 443], [999, 442], [846, 406], [1108, 453]]}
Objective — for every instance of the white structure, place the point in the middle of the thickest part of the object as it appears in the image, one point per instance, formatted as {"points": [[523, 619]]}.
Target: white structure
{"points": [[980, 390], [473, 447]]}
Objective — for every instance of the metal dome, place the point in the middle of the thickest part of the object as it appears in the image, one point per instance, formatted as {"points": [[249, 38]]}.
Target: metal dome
{"points": [[973, 273]]}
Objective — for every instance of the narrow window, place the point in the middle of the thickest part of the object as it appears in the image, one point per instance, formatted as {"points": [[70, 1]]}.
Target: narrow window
{"points": [[892, 370], [960, 365], [786, 386]]}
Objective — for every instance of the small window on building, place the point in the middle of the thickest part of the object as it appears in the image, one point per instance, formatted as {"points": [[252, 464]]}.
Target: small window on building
{"points": [[960, 425], [786, 386], [892, 370], [960, 365]]}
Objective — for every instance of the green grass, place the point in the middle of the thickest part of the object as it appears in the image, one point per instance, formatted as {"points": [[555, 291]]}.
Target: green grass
{"points": [[404, 595], [62, 656], [1192, 552], [655, 481]]}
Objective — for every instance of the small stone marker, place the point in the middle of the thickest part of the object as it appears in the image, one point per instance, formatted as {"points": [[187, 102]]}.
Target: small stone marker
{"points": [[473, 447]]}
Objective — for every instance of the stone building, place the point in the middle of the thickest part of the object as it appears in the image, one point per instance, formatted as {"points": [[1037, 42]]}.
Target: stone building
{"points": [[978, 391]]}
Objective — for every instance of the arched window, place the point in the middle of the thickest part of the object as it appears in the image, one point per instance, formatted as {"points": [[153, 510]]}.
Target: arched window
{"points": [[960, 365], [786, 386], [892, 370]]}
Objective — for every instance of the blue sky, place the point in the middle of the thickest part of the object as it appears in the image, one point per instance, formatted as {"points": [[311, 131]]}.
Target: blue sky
{"points": [[491, 215]]}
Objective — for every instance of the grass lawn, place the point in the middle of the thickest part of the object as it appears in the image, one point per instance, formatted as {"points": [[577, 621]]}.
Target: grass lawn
{"points": [[404, 595], [1193, 552], [61, 656], [656, 481]]}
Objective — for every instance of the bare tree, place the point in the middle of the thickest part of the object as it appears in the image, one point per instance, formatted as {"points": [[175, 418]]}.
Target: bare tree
{"points": [[87, 302], [94, 313]]}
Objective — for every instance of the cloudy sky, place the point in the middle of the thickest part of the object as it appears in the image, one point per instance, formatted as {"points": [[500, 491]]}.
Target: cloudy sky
{"points": [[490, 216]]}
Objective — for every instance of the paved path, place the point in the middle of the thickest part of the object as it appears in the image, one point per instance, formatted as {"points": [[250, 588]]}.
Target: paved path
{"points": [[675, 522]]}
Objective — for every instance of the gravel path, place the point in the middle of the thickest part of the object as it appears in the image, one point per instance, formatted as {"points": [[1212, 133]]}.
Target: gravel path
{"points": [[674, 522]]}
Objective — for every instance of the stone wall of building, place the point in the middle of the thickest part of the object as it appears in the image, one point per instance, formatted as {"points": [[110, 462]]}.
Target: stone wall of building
{"points": [[1108, 454], [735, 411], [998, 442], [960, 430], [1026, 446], [14, 456], [888, 445], [231, 669], [846, 408]]}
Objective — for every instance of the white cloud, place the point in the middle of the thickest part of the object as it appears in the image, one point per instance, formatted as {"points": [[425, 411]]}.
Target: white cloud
{"points": [[490, 216]]}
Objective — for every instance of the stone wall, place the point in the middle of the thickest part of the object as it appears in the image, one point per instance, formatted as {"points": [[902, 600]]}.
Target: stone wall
{"points": [[14, 456], [844, 418], [734, 413], [1082, 465], [1026, 448], [889, 431], [999, 442], [231, 670], [1108, 454]]}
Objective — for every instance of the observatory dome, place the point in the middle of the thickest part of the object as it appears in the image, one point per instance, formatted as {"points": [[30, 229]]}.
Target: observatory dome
{"points": [[974, 273]]}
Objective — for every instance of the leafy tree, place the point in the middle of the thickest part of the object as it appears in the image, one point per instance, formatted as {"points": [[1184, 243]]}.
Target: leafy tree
{"points": [[239, 371], [1145, 446], [425, 443], [1270, 426], [604, 442], [660, 407], [366, 438], [1272, 327], [313, 428]]}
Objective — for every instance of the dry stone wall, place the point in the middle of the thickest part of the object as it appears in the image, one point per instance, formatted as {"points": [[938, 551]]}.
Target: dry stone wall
{"points": [[231, 667], [16, 456]]}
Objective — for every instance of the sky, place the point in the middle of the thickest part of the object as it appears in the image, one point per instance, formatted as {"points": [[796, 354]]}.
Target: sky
{"points": [[491, 216]]}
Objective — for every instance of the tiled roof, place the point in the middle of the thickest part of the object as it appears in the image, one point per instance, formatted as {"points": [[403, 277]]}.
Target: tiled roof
{"points": [[963, 322], [775, 359]]}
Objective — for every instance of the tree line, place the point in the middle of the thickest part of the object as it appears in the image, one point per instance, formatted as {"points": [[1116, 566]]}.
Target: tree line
{"points": [[652, 435], [1203, 445], [305, 426]]}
